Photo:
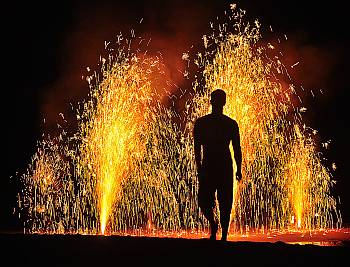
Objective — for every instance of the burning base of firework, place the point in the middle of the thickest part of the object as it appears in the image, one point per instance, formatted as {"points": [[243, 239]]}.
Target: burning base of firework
{"points": [[321, 237], [324, 248], [326, 237]]}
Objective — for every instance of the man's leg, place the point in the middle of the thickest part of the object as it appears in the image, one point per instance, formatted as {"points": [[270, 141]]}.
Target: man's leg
{"points": [[207, 203], [225, 199], [209, 215]]}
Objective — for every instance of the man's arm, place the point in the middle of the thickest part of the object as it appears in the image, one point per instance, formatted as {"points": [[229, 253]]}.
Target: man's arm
{"points": [[197, 146], [236, 143]]}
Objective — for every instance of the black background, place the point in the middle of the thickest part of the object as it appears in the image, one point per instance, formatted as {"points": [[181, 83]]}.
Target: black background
{"points": [[49, 45]]}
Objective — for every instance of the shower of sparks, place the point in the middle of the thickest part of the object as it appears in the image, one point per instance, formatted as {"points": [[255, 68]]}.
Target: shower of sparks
{"points": [[126, 169], [114, 120], [130, 168], [285, 184]]}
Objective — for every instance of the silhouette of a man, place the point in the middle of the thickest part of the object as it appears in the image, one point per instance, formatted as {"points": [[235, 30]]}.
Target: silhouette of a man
{"points": [[213, 134]]}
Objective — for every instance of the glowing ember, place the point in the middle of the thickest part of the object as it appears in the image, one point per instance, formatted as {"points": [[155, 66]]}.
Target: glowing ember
{"points": [[130, 168], [321, 237]]}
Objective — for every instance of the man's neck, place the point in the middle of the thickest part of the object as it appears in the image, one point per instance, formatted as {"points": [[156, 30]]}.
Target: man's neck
{"points": [[217, 111]]}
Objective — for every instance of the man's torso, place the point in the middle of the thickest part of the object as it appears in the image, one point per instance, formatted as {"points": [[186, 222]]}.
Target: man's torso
{"points": [[215, 132]]}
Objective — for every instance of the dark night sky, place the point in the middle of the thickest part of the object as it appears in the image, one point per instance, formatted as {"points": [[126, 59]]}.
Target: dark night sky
{"points": [[50, 45]]}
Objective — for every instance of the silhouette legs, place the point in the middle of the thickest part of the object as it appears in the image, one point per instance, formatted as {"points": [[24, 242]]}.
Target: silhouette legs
{"points": [[225, 212], [225, 198], [211, 181], [208, 213], [207, 204], [206, 200]]}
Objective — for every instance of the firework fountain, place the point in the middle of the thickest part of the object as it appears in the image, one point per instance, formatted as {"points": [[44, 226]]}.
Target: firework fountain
{"points": [[130, 168]]}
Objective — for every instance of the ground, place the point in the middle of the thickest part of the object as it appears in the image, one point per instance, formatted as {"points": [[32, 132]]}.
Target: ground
{"points": [[84, 250]]}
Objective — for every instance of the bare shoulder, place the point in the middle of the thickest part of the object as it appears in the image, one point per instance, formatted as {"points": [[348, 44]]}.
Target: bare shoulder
{"points": [[231, 121], [201, 119]]}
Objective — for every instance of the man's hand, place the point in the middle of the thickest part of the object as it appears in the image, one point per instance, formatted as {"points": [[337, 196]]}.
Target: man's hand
{"points": [[239, 176]]}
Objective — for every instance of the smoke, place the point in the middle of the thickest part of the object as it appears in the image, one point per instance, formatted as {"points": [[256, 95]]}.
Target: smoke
{"points": [[167, 31], [311, 67]]}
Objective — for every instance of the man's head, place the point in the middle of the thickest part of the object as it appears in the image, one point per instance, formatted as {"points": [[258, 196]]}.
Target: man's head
{"points": [[218, 99]]}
